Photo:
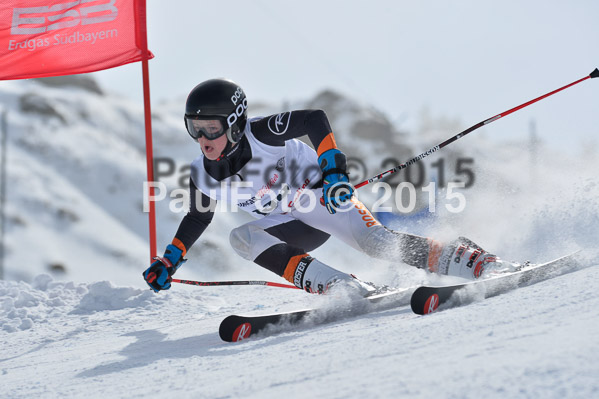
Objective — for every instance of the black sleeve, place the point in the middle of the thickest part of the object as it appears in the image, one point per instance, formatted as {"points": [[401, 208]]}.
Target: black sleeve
{"points": [[276, 129], [197, 219]]}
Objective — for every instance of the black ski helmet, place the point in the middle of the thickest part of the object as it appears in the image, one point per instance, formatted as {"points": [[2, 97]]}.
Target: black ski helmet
{"points": [[221, 98]]}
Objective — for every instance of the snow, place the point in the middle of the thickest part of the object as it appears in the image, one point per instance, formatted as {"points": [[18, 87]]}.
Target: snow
{"points": [[98, 340], [76, 319]]}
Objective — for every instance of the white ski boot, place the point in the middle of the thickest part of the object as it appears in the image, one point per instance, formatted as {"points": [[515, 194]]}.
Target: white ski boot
{"points": [[464, 258], [315, 277]]}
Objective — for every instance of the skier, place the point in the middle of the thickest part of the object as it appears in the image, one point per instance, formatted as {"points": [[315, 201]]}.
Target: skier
{"points": [[300, 197]]}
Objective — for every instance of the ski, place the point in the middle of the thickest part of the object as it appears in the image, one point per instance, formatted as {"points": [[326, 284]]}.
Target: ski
{"points": [[236, 328], [427, 299]]}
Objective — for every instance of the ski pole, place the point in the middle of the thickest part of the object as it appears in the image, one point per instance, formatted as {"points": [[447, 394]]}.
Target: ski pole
{"points": [[593, 74], [243, 282]]}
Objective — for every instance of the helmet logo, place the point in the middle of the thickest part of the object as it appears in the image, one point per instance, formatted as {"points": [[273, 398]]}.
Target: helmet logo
{"points": [[236, 96], [241, 108], [198, 111]]}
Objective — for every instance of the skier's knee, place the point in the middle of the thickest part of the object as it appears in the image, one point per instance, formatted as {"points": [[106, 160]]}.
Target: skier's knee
{"points": [[240, 239], [377, 240], [246, 240]]}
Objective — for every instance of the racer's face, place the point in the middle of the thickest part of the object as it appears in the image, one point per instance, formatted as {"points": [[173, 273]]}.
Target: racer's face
{"points": [[213, 148]]}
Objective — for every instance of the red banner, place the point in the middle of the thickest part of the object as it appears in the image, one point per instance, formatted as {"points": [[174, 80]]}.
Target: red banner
{"points": [[40, 38]]}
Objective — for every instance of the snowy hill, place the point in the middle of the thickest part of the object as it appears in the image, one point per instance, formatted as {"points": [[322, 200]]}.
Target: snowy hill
{"points": [[77, 320]]}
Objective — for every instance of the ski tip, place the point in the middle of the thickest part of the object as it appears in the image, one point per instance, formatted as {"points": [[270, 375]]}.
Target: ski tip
{"points": [[232, 329], [595, 73], [424, 301], [425, 305]]}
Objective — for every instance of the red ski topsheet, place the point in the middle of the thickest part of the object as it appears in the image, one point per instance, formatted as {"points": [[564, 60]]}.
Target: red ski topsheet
{"points": [[40, 38]]}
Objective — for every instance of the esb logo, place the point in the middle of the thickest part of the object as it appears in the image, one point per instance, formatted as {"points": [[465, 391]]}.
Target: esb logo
{"points": [[60, 16]]}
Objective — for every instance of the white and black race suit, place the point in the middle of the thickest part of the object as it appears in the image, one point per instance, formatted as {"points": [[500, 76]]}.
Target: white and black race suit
{"points": [[276, 178]]}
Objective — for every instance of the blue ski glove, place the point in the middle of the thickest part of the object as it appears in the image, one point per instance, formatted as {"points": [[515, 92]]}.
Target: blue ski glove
{"points": [[336, 188], [158, 275]]}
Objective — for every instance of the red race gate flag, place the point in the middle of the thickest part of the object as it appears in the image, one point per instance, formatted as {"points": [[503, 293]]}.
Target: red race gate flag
{"points": [[40, 38]]}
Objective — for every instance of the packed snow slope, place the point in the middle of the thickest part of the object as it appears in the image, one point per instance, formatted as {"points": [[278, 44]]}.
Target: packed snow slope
{"points": [[66, 340], [77, 320]]}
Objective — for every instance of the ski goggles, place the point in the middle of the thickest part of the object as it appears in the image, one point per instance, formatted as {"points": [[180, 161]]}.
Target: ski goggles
{"points": [[211, 127]]}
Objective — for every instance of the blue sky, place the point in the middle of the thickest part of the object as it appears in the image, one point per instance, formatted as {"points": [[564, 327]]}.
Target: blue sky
{"points": [[467, 59]]}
